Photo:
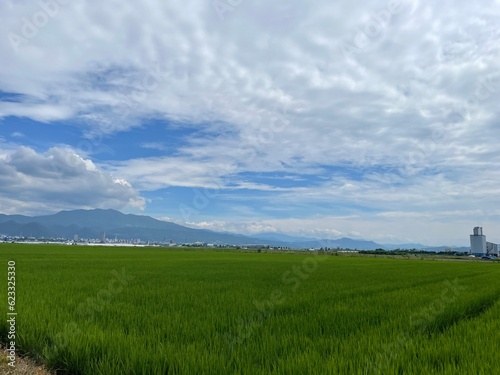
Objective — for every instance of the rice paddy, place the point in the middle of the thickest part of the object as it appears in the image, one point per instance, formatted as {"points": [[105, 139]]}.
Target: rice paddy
{"points": [[84, 310]]}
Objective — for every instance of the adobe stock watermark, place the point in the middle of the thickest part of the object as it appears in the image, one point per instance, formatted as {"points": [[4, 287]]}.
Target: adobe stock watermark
{"points": [[415, 160], [375, 27], [270, 16], [420, 322], [201, 199], [428, 315], [150, 82], [222, 7], [87, 310], [145, 86], [485, 88], [31, 26], [293, 279]]}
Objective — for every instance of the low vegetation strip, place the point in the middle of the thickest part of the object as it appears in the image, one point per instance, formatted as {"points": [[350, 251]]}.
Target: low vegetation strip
{"points": [[170, 311], [24, 366], [445, 313]]}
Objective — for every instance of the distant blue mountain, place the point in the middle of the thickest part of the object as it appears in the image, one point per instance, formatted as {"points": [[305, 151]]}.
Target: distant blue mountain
{"points": [[274, 236], [342, 243], [29, 229], [90, 223], [305, 242], [404, 246]]}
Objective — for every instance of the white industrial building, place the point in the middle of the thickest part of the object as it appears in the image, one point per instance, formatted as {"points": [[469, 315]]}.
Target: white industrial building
{"points": [[491, 248], [479, 246]]}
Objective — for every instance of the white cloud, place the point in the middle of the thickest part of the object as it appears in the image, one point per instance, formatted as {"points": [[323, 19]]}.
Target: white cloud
{"points": [[42, 113], [59, 179], [135, 61], [154, 146], [248, 228], [157, 173]]}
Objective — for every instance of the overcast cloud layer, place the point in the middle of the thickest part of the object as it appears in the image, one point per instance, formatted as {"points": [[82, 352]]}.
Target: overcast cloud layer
{"points": [[369, 119]]}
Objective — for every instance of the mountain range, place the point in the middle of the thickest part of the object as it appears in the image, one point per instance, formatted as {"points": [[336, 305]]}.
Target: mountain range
{"points": [[91, 223]]}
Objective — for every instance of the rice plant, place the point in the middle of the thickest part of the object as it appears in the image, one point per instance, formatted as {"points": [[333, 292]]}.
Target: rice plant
{"points": [[171, 311]]}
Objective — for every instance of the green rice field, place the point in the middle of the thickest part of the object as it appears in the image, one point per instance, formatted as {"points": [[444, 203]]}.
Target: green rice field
{"points": [[104, 310]]}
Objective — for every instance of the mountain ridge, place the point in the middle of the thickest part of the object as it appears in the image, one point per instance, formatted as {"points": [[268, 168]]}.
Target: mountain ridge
{"points": [[91, 223]]}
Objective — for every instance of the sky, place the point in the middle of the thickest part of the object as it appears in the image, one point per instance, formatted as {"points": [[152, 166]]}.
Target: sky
{"points": [[369, 119]]}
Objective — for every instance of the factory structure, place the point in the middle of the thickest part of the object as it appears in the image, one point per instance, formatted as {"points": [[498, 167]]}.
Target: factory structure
{"points": [[479, 246]]}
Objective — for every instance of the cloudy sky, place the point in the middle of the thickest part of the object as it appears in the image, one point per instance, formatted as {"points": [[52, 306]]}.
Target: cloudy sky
{"points": [[368, 119]]}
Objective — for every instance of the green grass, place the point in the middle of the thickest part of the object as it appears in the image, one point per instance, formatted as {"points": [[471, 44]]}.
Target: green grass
{"points": [[157, 311]]}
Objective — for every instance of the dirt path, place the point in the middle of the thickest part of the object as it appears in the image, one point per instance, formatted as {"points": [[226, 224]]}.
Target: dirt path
{"points": [[24, 366]]}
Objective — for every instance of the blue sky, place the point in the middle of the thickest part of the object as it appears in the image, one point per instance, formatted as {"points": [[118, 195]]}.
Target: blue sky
{"points": [[370, 119]]}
